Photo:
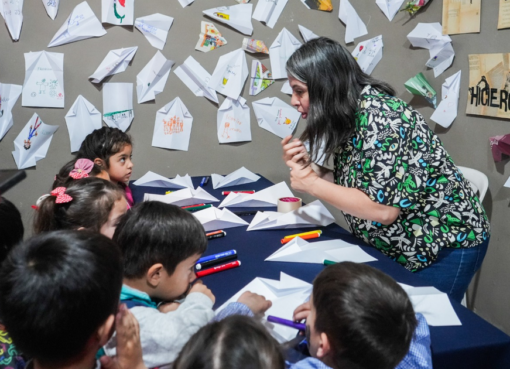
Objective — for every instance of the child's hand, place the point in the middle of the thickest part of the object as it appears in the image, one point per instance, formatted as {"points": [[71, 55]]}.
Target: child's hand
{"points": [[257, 303], [302, 311], [199, 286], [168, 307]]}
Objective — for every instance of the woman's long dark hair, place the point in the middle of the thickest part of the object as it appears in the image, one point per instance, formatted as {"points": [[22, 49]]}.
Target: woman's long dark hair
{"points": [[335, 81]]}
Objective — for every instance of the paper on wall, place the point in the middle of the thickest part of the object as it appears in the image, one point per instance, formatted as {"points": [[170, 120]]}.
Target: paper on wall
{"points": [[51, 7], [210, 38], [276, 116], [369, 53], [118, 12], [12, 11], [116, 61], [9, 94], [172, 129], [152, 78], [446, 111], [82, 119], [261, 78], [193, 75], [280, 51], [230, 74], [268, 11], [236, 16], [354, 26], [306, 33], [254, 46], [390, 8], [118, 105], [155, 28], [322, 5], [234, 121], [44, 80]]}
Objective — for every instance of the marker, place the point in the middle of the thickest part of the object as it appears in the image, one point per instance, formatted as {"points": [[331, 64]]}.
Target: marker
{"points": [[204, 181], [288, 323], [219, 268], [217, 261], [225, 193], [329, 262], [216, 256], [192, 206], [217, 234], [303, 234], [197, 208], [305, 237], [168, 192], [245, 213]]}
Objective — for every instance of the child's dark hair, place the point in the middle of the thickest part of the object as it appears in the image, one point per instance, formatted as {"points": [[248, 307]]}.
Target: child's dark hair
{"points": [[56, 290], [103, 143], [90, 207], [11, 227], [367, 317], [234, 342], [63, 179], [153, 232]]}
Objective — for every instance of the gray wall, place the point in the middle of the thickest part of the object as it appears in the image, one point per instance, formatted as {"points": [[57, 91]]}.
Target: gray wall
{"points": [[466, 140]]}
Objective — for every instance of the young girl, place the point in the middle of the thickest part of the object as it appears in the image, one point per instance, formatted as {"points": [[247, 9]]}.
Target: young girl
{"points": [[111, 150], [90, 203], [78, 169]]}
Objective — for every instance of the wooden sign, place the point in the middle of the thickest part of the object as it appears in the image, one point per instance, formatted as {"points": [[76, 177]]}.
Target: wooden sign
{"points": [[461, 16]]}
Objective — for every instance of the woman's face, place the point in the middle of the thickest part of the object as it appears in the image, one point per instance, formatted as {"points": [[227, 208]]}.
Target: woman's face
{"points": [[299, 96]]}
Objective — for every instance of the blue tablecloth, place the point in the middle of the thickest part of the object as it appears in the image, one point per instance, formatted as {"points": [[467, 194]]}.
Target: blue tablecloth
{"points": [[476, 344]]}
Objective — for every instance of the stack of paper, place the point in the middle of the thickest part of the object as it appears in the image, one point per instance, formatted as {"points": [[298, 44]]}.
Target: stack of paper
{"points": [[268, 11], [354, 26], [446, 111], [313, 214], [118, 12], [369, 53], [81, 119], [230, 74], [233, 121], [286, 295], [214, 218], [280, 51], [118, 105], [390, 8], [12, 11], [306, 33], [300, 251], [151, 179], [51, 7], [267, 197], [9, 94], [193, 75], [276, 116], [210, 38], [236, 16], [155, 28], [184, 197], [152, 78], [116, 61], [238, 177], [172, 129]]}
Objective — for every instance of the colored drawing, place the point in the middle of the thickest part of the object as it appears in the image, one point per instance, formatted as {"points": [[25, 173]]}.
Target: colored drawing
{"points": [[210, 38], [117, 15], [27, 144], [222, 15], [173, 125], [323, 5]]}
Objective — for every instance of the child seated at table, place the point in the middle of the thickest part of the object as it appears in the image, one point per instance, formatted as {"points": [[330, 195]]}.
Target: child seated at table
{"points": [[78, 169], [90, 203], [110, 149], [161, 244]]}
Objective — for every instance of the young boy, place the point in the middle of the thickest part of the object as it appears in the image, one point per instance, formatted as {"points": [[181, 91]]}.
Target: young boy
{"points": [[59, 293], [161, 244]]}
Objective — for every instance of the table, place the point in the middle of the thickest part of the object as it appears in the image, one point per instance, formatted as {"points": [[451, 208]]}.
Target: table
{"points": [[476, 344]]}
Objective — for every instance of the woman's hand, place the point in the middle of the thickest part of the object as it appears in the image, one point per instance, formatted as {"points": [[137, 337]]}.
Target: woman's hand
{"points": [[292, 148], [302, 178]]}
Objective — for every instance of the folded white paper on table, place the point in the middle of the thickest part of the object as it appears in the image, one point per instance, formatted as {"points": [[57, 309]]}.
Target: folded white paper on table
{"points": [[311, 215], [446, 111], [155, 28], [390, 8], [267, 197], [83, 118], [285, 294], [230, 74], [81, 24], [118, 12], [260, 79], [238, 177], [151, 179], [118, 105], [280, 51], [116, 61], [44, 80], [210, 38], [12, 11], [152, 78], [51, 7], [236, 16], [286, 89], [268, 11], [433, 304], [214, 218], [33, 142], [172, 129], [354, 26], [234, 121], [369, 53], [193, 75], [306, 33], [300, 251], [184, 197], [9, 94], [276, 116]]}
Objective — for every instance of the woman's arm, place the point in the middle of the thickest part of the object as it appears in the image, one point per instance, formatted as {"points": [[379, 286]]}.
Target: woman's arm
{"points": [[295, 147]]}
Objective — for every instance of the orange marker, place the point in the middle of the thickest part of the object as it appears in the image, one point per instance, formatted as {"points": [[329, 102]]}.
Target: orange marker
{"points": [[219, 268], [304, 237]]}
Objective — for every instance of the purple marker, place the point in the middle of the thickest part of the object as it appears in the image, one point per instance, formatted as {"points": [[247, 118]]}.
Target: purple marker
{"points": [[288, 323]]}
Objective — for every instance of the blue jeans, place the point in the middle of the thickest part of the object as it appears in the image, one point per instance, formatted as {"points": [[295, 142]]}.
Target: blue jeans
{"points": [[454, 268]]}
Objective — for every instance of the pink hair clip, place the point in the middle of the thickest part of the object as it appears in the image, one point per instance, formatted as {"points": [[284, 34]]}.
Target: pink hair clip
{"points": [[60, 194], [82, 168]]}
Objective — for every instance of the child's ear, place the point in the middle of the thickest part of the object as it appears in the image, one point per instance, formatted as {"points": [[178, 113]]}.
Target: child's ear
{"points": [[324, 346], [154, 274], [100, 163], [106, 330]]}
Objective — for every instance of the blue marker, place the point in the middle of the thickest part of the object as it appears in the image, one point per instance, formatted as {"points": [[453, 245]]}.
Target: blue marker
{"points": [[216, 256], [204, 181]]}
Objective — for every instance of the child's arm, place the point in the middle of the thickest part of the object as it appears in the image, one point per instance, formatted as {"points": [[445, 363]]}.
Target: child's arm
{"points": [[248, 304], [419, 355]]}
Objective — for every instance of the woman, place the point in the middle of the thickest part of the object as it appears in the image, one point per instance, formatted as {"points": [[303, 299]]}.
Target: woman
{"points": [[395, 183]]}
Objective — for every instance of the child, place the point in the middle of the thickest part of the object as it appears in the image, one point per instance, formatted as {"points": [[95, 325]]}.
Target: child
{"points": [[78, 169], [90, 203], [161, 244], [110, 149], [59, 293]]}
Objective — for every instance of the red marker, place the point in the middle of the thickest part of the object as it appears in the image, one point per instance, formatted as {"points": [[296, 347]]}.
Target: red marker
{"points": [[219, 268], [192, 206], [225, 193]]}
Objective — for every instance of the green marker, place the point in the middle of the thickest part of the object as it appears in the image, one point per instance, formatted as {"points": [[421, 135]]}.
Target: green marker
{"points": [[329, 262], [196, 208]]}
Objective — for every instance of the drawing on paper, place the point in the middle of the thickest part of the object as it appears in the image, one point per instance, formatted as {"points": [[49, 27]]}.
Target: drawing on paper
{"points": [[222, 15], [210, 38], [231, 125], [27, 144], [115, 9], [173, 125], [118, 116], [323, 5]]}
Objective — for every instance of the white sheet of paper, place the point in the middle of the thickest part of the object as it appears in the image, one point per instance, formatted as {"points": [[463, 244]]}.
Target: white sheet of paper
{"points": [[233, 121], [306, 33], [116, 61], [285, 294], [446, 111], [354, 26], [172, 129], [237, 177], [185, 3], [286, 89], [310, 215], [507, 183], [260, 77], [9, 94], [118, 105], [213, 218], [369, 53], [266, 197], [280, 51], [12, 11], [51, 7], [301, 251], [236, 16], [155, 28], [81, 24], [193, 75], [209, 38], [276, 116], [184, 197], [118, 12], [44, 80], [151, 179], [33, 142], [441, 58], [152, 78], [390, 8], [230, 74], [268, 11], [82, 119]]}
